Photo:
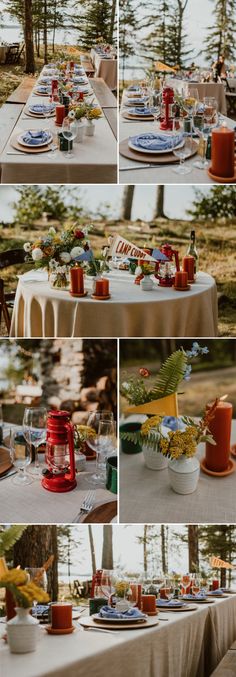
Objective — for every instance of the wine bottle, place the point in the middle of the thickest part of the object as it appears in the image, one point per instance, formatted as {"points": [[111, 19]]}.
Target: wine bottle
{"points": [[192, 250]]}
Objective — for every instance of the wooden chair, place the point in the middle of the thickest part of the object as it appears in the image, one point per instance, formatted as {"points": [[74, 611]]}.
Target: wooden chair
{"points": [[8, 258], [231, 103], [14, 53]]}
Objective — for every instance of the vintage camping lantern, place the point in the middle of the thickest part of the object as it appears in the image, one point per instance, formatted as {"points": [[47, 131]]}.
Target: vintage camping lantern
{"points": [[166, 123], [60, 455], [165, 271]]}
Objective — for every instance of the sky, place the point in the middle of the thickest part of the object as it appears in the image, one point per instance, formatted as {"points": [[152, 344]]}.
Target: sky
{"points": [[178, 199]]}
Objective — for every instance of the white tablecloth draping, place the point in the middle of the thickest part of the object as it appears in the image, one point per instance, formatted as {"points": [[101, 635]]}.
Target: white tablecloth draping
{"points": [[146, 495], [41, 311], [94, 161], [215, 89], [162, 173], [187, 644], [105, 68]]}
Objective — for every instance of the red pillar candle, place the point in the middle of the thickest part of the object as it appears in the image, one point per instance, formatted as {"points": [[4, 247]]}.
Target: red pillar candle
{"points": [[181, 279], [102, 287], [164, 593], [217, 456], [136, 594], [60, 114], [76, 281], [148, 605], [188, 267], [215, 584], [54, 85], [222, 152], [61, 615]]}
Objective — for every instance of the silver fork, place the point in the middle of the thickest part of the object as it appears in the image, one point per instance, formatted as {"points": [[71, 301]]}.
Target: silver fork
{"points": [[86, 506]]}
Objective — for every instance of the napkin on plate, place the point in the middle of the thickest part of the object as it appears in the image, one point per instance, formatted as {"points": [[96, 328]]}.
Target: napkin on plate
{"points": [[36, 138], [216, 592], [156, 142], [42, 108], [109, 612], [133, 88], [171, 602], [141, 111], [200, 595]]}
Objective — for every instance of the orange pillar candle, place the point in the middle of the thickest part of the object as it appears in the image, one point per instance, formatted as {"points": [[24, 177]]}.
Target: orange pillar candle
{"points": [[102, 287], [188, 267], [60, 114], [164, 593], [222, 152], [148, 605], [215, 584], [217, 456], [181, 279], [76, 281], [136, 594], [61, 615]]}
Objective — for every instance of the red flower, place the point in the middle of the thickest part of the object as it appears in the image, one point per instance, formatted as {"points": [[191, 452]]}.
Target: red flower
{"points": [[79, 234], [86, 247], [144, 372]]}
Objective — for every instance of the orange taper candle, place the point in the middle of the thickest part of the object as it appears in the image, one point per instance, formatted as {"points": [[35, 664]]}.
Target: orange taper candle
{"points": [[188, 267], [76, 280], [222, 152], [61, 616], [217, 456]]}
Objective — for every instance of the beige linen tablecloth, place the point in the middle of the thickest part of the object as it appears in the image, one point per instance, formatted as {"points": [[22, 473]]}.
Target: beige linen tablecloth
{"points": [[94, 161], [215, 89], [163, 173], [146, 495], [105, 68], [41, 311], [33, 504], [185, 645]]}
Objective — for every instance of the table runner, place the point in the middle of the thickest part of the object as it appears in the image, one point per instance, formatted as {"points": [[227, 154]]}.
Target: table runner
{"points": [[94, 160], [184, 646], [105, 68], [42, 311], [146, 495]]}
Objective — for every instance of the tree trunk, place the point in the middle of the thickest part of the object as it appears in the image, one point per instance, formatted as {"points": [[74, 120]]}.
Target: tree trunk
{"points": [[113, 14], [34, 548], [127, 202], [107, 548], [92, 549], [45, 33], [164, 549], [159, 207], [145, 553], [193, 553], [29, 38]]}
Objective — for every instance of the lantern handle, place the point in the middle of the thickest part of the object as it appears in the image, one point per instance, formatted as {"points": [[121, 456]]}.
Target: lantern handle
{"points": [[70, 429]]}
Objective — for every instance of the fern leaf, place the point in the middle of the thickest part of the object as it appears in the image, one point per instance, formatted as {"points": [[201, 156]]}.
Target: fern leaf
{"points": [[134, 437], [8, 537], [170, 375]]}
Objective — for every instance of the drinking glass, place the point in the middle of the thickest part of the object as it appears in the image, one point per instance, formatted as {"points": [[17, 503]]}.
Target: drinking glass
{"points": [[103, 443], [195, 585], [183, 152], [154, 103], [20, 456], [201, 130], [104, 587], [210, 111], [69, 131], [39, 577], [185, 581], [34, 428]]}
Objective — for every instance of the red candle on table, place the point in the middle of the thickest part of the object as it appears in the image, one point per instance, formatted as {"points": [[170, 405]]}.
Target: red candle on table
{"points": [[61, 616], [105, 286], [60, 114], [217, 456], [148, 605], [188, 267], [181, 279], [54, 85], [136, 594], [76, 280], [164, 593], [215, 584], [222, 152], [72, 65], [102, 287]]}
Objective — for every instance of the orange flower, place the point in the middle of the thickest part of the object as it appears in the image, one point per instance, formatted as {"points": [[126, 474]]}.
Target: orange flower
{"points": [[144, 372]]}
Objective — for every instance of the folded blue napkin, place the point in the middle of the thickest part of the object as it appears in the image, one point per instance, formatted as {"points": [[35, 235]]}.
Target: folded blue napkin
{"points": [[109, 612], [133, 88], [139, 101], [200, 595], [42, 88], [140, 111], [41, 108], [216, 592], [171, 602], [156, 142], [36, 138]]}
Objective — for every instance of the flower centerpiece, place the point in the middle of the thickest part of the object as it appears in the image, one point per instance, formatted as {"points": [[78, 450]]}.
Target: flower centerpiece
{"points": [[22, 630], [143, 274], [58, 251]]}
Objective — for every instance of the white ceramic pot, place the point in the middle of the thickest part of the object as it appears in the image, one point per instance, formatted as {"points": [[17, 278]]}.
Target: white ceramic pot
{"points": [[146, 283], [90, 128], [80, 131], [22, 632], [184, 474], [153, 458]]}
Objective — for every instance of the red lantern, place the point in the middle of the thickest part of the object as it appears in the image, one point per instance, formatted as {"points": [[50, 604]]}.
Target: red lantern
{"points": [[165, 271], [167, 101], [60, 455]]}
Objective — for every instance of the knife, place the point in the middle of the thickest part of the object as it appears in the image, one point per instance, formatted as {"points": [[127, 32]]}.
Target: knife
{"points": [[9, 474], [141, 166]]}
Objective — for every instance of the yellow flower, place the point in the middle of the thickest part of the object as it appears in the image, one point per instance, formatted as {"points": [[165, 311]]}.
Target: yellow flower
{"points": [[33, 593], [164, 446], [14, 577], [152, 422]]}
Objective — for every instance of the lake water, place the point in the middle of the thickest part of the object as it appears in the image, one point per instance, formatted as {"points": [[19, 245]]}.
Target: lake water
{"points": [[13, 33]]}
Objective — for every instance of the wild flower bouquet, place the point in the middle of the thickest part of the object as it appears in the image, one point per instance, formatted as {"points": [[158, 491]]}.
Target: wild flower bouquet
{"points": [[58, 248], [25, 592]]}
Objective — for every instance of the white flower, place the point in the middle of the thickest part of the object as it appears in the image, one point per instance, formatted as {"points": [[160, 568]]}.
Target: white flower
{"points": [[71, 115], [65, 256], [52, 231], [27, 247], [138, 270], [37, 254], [76, 251], [53, 263]]}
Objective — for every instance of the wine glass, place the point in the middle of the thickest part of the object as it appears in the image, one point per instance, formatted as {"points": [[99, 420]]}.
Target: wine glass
{"points": [[195, 584], [34, 427], [185, 580], [20, 456], [39, 577], [201, 130], [210, 111], [154, 103], [182, 152], [102, 442], [69, 131]]}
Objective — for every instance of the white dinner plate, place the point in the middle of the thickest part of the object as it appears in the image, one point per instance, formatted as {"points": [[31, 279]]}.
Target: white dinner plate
{"points": [[31, 145], [147, 151]]}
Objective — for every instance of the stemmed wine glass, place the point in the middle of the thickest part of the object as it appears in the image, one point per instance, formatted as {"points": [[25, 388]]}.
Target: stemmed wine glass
{"points": [[185, 581], [199, 127], [20, 456], [69, 131], [154, 103], [103, 443], [34, 428], [195, 584], [182, 152], [38, 576], [210, 111]]}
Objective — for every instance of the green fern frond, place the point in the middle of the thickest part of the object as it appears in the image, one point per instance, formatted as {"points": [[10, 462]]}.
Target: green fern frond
{"points": [[134, 437], [170, 375], [8, 537]]}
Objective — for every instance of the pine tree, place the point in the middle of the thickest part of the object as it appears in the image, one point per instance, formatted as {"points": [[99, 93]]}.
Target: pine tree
{"points": [[127, 30], [95, 22], [219, 202], [156, 44], [218, 540], [221, 35]]}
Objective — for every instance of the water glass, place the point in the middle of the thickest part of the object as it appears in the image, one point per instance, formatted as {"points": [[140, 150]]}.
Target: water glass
{"points": [[69, 132], [183, 152], [34, 430], [20, 456]]}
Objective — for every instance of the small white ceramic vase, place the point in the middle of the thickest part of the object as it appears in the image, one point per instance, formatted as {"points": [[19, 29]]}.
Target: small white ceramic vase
{"points": [[80, 131], [153, 458], [90, 128], [184, 474], [146, 283], [22, 632]]}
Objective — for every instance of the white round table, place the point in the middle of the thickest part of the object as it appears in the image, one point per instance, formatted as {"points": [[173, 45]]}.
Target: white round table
{"points": [[41, 311]]}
